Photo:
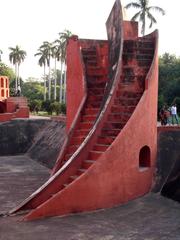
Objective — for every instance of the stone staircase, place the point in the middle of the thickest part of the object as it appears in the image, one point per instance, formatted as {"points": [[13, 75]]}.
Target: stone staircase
{"points": [[97, 78]]}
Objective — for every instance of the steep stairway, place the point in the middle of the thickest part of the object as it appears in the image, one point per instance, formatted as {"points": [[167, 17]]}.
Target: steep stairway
{"points": [[136, 61], [96, 78]]}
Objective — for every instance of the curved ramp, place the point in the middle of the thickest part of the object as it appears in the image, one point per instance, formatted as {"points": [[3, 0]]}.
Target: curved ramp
{"points": [[115, 162]]}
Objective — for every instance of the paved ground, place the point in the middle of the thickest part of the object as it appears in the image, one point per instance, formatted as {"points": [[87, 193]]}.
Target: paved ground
{"points": [[149, 218]]}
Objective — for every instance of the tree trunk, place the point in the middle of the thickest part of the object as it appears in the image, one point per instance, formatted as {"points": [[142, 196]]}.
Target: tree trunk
{"points": [[64, 92], [16, 78], [55, 79], [60, 85], [44, 82], [49, 90]]}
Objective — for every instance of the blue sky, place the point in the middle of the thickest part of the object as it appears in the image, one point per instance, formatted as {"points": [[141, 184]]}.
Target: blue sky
{"points": [[28, 23]]}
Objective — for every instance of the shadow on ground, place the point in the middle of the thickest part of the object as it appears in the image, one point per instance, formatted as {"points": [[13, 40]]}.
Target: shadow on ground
{"points": [[151, 217]]}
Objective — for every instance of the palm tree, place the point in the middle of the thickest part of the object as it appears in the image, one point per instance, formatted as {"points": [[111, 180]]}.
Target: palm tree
{"points": [[47, 49], [42, 62], [144, 13], [1, 52], [63, 38], [56, 52], [17, 56]]}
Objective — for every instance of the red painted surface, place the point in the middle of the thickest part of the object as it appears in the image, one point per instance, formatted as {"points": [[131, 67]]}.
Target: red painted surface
{"points": [[130, 30], [14, 107], [4, 87], [76, 87], [94, 53], [105, 171]]}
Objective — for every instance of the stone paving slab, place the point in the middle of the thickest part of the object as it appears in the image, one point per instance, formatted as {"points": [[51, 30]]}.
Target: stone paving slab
{"points": [[151, 217]]}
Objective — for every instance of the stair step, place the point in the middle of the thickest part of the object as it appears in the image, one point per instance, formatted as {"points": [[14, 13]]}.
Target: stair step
{"points": [[91, 62], [119, 117], [89, 118], [72, 178], [110, 132], [65, 185], [81, 171], [72, 149], [77, 140], [97, 91], [114, 125], [94, 104], [94, 97], [87, 163], [94, 155], [91, 111], [81, 132], [105, 139], [86, 125], [91, 50], [96, 72], [99, 84], [144, 62], [126, 102], [100, 147], [138, 44], [136, 56], [121, 93], [125, 109]]}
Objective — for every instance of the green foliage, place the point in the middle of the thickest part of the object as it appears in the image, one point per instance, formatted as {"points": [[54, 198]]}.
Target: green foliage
{"points": [[169, 80], [55, 107], [63, 108], [6, 71], [33, 90], [35, 105], [46, 106]]}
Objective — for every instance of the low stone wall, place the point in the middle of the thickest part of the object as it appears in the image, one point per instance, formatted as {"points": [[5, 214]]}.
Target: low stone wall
{"points": [[41, 139], [168, 156], [48, 143]]}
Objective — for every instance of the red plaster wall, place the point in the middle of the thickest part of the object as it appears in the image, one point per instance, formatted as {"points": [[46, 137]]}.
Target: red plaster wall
{"points": [[5, 117], [4, 86], [130, 29], [76, 88], [116, 177], [15, 107]]}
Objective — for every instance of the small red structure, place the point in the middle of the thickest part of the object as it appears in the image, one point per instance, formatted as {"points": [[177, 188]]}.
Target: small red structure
{"points": [[11, 107], [4, 87], [109, 155]]}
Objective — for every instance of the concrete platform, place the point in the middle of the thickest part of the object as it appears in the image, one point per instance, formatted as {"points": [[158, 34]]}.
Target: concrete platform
{"points": [[152, 217]]}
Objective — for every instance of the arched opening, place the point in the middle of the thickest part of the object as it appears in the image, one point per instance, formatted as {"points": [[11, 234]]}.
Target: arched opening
{"points": [[2, 82], [2, 93], [7, 93], [145, 157], [6, 83]]}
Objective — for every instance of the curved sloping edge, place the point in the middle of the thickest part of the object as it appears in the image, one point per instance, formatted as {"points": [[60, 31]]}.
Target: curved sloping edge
{"points": [[116, 177], [116, 171], [74, 60], [45, 192]]}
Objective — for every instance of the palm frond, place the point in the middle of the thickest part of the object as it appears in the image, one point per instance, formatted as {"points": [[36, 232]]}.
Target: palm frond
{"points": [[134, 18], [152, 19], [133, 4], [158, 9]]}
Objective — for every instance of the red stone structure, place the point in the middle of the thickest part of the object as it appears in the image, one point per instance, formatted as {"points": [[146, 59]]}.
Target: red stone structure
{"points": [[109, 155], [4, 88], [11, 107]]}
